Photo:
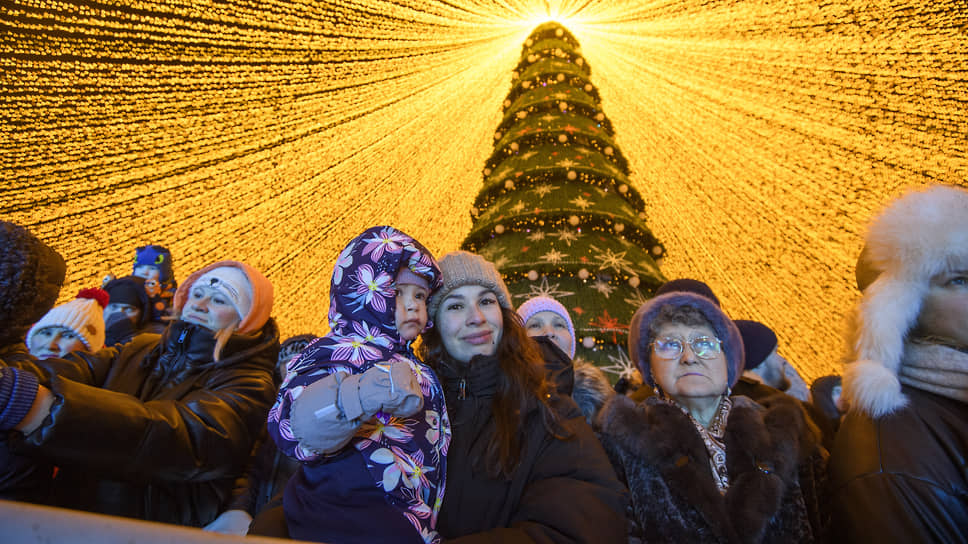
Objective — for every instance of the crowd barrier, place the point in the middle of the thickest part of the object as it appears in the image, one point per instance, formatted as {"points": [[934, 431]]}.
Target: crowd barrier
{"points": [[22, 523]]}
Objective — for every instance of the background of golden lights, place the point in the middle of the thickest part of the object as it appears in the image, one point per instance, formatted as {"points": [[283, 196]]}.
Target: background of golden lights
{"points": [[762, 135]]}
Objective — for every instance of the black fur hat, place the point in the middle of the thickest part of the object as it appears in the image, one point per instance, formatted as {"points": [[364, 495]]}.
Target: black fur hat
{"points": [[31, 275]]}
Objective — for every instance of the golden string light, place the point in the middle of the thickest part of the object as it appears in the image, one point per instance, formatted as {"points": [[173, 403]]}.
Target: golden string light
{"points": [[762, 136]]}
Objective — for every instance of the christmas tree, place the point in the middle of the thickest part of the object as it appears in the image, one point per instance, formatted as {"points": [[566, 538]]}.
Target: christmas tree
{"points": [[556, 213]]}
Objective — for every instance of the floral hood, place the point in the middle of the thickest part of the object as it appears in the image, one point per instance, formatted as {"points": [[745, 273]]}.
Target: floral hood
{"points": [[362, 302]]}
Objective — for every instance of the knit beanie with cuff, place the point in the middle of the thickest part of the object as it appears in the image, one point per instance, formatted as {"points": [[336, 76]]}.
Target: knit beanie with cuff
{"points": [[460, 268]]}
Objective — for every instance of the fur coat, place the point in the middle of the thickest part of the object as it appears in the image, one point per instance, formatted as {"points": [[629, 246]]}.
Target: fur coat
{"points": [[773, 459]]}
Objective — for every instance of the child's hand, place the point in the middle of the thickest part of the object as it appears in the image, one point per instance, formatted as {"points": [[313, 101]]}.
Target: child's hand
{"points": [[390, 388]]}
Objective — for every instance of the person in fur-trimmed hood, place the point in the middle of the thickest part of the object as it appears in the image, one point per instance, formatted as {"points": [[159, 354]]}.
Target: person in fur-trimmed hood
{"points": [[897, 468], [701, 465]]}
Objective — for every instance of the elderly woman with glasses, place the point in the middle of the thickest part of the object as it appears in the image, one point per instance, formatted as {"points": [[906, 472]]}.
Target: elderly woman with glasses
{"points": [[701, 465]]}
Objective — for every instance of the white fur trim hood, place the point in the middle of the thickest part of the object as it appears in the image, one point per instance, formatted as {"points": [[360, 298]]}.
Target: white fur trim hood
{"points": [[916, 237]]}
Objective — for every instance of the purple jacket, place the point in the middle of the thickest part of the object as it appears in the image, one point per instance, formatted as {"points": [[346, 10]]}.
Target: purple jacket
{"points": [[403, 458]]}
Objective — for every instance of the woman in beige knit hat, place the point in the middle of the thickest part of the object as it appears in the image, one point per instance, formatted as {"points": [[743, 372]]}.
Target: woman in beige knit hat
{"points": [[523, 464]]}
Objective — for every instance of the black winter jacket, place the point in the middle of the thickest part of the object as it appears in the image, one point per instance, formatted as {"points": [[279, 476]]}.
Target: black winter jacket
{"points": [[563, 490], [22, 478], [266, 477], [155, 429], [773, 458], [902, 477]]}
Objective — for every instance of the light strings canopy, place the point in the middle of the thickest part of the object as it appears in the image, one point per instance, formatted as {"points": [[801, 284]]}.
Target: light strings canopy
{"points": [[760, 138]]}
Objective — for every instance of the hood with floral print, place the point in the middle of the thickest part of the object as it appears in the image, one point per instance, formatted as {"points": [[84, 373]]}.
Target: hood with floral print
{"points": [[362, 302], [405, 456]]}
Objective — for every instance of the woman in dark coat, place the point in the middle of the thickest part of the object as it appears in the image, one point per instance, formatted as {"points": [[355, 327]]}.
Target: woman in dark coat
{"points": [[898, 463], [160, 427], [523, 465], [702, 466]]}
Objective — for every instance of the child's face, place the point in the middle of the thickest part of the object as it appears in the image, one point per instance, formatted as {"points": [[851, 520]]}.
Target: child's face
{"points": [[411, 314], [55, 342], [147, 271]]}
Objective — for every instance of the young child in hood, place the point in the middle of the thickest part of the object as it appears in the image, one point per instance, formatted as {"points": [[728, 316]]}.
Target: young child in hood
{"points": [[153, 263], [374, 413]]}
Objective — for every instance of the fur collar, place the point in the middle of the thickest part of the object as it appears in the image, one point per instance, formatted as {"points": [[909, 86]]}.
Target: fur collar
{"points": [[764, 446]]}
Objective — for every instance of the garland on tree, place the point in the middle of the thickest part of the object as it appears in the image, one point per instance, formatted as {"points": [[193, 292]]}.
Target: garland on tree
{"points": [[556, 212]]}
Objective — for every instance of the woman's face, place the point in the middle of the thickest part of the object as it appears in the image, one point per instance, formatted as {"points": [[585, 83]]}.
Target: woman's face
{"points": [[688, 375], [55, 342], [470, 322], [944, 312], [209, 308], [553, 326]]}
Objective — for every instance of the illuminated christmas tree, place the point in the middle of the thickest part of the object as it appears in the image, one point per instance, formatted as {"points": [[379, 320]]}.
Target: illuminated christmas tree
{"points": [[556, 213]]}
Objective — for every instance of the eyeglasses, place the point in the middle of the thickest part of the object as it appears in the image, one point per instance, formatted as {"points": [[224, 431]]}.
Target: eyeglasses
{"points": [[670, 347]]}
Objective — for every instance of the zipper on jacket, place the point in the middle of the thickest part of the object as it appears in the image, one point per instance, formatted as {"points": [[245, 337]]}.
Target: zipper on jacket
{"points": [[181, 345], [462, 389]]}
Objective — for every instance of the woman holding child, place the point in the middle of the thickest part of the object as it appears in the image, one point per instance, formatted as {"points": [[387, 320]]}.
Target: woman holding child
{"points": [[523, 464]]}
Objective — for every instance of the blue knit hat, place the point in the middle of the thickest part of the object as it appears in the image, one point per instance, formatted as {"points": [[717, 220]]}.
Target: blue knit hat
{"points": [[156, 256], [723, 326]]}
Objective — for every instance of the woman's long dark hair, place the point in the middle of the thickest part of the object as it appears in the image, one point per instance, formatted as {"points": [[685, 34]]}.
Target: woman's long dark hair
{"points": [[523, 388]]}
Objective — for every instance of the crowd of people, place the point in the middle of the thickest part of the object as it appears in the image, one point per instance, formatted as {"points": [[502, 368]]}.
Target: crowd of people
{"points": [[434, 410]]}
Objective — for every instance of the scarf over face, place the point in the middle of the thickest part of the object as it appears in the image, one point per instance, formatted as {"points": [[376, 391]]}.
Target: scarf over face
{"points": [[406, 457]]}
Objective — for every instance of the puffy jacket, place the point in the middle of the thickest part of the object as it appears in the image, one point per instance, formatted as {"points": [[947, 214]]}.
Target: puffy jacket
{"points": [[902, 477], [154, 429], [22, 478], [564, 490]]}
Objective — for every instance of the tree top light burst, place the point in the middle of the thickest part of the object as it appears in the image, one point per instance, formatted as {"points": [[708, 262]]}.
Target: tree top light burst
{"points": [[761, 136]]}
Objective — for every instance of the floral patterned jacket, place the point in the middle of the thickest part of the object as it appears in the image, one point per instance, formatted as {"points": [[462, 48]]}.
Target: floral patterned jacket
{"points": [[405, 457]]}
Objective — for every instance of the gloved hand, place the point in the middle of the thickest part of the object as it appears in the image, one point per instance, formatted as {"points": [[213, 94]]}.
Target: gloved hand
{"points": [[327, 413], [231, 522], [392, 389]]}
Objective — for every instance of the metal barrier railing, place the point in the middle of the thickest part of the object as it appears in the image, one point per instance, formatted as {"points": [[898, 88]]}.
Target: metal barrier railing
{"points": [[29, 523]]}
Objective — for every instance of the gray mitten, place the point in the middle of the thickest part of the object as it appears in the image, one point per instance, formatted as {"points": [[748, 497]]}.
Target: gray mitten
{"points": [[316, 419], [392, 389]]}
